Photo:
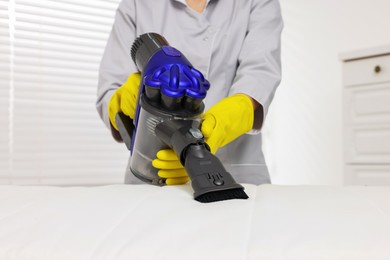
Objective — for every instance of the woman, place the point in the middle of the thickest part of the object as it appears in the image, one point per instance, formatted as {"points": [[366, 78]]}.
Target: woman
{"points": [[234, 43]]}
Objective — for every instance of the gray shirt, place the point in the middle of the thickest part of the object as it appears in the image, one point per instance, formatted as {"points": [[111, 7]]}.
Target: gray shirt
{"points": [[234, 43]]}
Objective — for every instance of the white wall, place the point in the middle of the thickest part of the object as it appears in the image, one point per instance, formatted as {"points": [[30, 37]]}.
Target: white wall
{"points": [[303, 131]]}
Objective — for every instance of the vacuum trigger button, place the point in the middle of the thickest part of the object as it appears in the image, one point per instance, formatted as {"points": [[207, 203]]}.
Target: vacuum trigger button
{"points": [[218, 182], [196, 133]]}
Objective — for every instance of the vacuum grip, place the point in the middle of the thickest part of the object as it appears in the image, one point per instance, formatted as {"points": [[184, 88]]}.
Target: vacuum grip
{"points": [[125, 127]]}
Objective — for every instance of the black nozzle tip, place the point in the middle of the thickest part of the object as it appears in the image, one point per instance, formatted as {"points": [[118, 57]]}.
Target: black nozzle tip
{"points": [[229, 194]]}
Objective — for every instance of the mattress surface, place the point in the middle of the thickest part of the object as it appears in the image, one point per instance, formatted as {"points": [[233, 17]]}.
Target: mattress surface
{"points": [[147, 222]]}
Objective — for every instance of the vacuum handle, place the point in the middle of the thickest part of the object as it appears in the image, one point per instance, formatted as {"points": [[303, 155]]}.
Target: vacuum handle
{"points": [[126, 128]]}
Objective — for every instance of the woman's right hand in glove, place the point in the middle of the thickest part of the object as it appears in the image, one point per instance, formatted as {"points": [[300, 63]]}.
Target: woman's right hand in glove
{"points": [[124, 99]]}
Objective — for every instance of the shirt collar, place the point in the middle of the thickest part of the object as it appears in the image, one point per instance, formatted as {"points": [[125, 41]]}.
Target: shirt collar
{"points": [[184, 2]]}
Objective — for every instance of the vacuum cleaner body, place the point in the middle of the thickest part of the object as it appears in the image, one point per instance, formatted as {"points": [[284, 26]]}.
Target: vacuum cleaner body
{"points": [[168, 115]]}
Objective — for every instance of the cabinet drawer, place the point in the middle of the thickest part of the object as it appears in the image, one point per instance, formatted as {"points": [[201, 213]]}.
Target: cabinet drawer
{"points": [[369, 144], [367, 71], [367, 104], [368, 175]]}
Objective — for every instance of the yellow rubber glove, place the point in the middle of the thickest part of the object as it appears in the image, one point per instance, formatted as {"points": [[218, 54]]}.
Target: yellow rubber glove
{"points": [[228, 119], [170, 167], [124, 99]]}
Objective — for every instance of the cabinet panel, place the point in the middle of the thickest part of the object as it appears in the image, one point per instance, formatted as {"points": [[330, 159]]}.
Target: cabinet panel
{"points": [[367, 144], [367, 71], [367, 104], [369, 175]]}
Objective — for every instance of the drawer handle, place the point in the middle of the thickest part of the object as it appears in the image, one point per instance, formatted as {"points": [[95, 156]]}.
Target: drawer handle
{"points": [[377, 69]]}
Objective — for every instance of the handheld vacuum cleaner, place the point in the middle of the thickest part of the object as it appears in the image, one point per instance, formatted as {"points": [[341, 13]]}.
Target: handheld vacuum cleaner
{"points": [[168, 115]]}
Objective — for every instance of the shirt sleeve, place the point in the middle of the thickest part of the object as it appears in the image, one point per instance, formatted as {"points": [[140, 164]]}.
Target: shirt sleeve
{"points": [[116, 64], [259, 66]]}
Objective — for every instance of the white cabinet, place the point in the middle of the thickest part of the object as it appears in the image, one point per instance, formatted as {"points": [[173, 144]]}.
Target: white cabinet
{"points": [[366, 90]]}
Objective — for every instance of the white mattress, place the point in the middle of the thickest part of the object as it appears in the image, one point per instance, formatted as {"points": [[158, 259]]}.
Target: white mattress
{"points": [[148, 222]]}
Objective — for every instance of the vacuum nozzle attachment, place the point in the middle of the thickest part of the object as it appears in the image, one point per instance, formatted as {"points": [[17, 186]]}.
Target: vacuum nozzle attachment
{"points": [[209, 179]]}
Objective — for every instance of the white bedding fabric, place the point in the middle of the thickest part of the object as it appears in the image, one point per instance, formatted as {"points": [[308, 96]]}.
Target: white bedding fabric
{"points": [[148, 222]]}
